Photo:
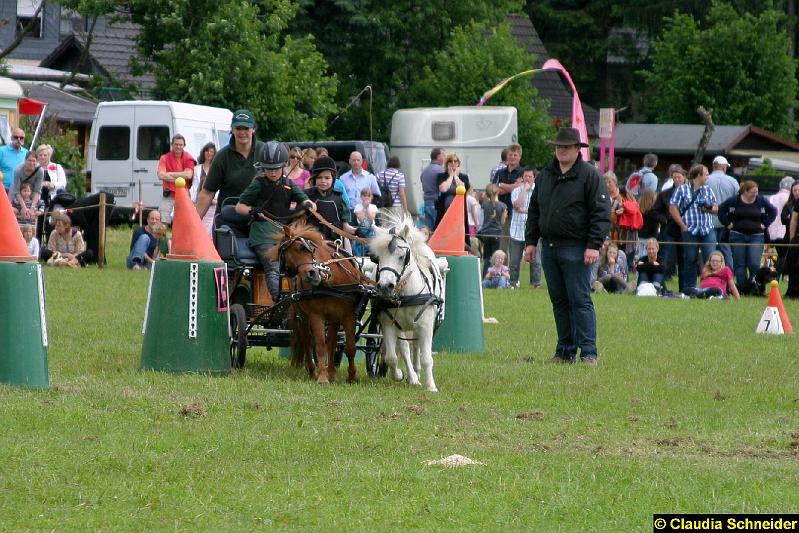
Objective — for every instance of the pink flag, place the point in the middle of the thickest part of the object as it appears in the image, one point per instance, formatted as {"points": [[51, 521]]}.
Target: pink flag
{"points": [[578, 120]]}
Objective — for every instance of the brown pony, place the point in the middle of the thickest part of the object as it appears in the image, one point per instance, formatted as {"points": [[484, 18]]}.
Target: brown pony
{"points": [[328, 289]]}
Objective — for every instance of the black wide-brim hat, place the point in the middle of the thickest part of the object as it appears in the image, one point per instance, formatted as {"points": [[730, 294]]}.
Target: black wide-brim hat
{"points": [[568, 137]]}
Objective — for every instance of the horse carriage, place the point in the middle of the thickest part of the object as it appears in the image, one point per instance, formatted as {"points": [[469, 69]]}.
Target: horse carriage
{"points": [[340, 302], [258, 320]]}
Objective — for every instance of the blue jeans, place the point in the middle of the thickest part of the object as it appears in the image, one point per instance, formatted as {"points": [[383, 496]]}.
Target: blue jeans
{"points": [[724, 248], [496, 283], [569, 286], [691, 247], [746, 257], [515, 254], [430, 214], [654, 278], [137, 252]]}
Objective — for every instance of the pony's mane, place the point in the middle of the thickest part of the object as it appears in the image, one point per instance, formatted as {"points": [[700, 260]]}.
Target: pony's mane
{"points": [[302, 229], [401, 224]]}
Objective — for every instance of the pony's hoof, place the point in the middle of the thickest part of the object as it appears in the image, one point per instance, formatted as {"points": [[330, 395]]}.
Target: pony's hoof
{"points": [[432, 389], [414, 382], [322, 380], [397, 375]]}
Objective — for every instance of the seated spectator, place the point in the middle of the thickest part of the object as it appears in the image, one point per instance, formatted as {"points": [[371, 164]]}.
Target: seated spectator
{"points": [[612, 272], [31, 240], [146, 247], [29, 172], [716, 280], [498, 274], [649, 268], [27, 212], [66, 247]]}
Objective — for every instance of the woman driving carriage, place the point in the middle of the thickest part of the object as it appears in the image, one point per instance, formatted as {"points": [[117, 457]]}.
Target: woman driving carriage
{"points": [[271, 198]]}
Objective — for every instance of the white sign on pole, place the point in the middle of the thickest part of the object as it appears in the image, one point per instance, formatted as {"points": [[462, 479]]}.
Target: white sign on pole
{"points": [[606, 119]]}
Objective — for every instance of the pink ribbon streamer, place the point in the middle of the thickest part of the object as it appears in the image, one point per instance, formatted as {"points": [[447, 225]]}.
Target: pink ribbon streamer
{"points": [[578, 120]]}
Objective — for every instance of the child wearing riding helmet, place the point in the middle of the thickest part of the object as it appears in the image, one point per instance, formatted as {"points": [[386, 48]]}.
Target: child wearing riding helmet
{"points": [[271, 199], [330, 203]]}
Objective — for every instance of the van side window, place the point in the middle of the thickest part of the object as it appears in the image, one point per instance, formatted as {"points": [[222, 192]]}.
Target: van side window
{"points": [[113, 143], [152, 143]]}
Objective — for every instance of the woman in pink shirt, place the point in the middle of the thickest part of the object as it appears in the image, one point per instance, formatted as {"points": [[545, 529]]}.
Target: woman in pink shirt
{"points": [[717, 280]]}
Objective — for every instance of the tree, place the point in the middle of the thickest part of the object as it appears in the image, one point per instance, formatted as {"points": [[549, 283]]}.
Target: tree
{"points": [[739, 67], [474, 60], [386, 45], [239, 57]]}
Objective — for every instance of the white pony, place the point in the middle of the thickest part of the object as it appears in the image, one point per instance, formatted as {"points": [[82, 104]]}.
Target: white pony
{"points": [[410, 301]]}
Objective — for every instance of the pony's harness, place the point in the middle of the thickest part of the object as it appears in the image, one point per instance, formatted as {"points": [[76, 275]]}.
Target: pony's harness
{"points": [[324, 271], [425, 298]]}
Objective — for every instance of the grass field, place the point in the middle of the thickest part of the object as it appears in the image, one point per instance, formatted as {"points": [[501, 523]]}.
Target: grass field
{"points": [[688, 411]]}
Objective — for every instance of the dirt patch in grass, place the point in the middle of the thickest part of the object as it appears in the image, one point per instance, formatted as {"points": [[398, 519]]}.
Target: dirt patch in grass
{"points": [[417, 409], [530, 415], [193, 410]]}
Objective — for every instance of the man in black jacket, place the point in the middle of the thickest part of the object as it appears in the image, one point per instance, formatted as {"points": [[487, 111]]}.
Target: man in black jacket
{"points": [[570, 211]]}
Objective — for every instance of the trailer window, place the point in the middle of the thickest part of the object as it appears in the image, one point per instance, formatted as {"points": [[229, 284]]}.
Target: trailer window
{"points": [[222, 138], [113, 143], [152, 142], [443, 131]]}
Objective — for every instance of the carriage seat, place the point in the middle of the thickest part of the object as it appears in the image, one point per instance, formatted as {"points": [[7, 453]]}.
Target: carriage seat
{"points": [[230, 236]]}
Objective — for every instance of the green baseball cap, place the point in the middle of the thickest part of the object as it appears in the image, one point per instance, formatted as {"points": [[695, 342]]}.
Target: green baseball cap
{"points": [[243, 117]]}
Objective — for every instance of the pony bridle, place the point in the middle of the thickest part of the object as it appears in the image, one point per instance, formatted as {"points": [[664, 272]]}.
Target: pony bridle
{"points": [[404, 274], [322, 270]]}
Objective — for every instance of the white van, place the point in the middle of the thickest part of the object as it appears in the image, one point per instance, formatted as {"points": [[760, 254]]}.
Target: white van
{"points": [[477, 134], [129, 137]]}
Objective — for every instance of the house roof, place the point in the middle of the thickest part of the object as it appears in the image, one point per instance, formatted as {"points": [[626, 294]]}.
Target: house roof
{"points": [[680, 139], [65, 106], [110, 51], [549, 83]]}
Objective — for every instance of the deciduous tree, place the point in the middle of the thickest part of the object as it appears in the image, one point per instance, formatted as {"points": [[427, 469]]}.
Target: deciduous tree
{"points": [[737, 65], [240, 56], [474, 60]]}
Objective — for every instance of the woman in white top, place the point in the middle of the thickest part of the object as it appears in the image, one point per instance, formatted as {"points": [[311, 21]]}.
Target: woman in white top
{"points": [[55, 179]]}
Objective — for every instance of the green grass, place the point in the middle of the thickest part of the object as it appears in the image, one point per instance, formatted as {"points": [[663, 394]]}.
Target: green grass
{"points": [[688, 411]]}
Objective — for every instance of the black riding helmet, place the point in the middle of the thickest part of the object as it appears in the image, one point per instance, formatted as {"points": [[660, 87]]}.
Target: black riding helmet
{"points": [[324, 163], [272, 155]]}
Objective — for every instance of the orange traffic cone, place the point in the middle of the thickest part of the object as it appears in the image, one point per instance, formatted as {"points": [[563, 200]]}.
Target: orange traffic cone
{"points": [[449, 236], [775, 300], [12, 243], [190, 239]]}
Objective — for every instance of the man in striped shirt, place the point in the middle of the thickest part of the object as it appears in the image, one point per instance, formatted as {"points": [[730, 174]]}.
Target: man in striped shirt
{"points": [[394, 179], [691, 206], [520, 199]]}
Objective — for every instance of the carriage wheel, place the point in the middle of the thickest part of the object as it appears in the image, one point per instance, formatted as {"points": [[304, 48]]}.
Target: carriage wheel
{"points": [[375, 367], [238, 336]]}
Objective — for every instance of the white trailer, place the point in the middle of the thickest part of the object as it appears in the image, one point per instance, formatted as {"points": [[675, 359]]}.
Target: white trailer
{"points": [[477, 134], [129, 137]]}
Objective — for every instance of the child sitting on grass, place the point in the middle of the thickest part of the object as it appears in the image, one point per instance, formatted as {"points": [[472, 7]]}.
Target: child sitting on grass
{"points": [[30, 240], [717, 279], [498, 274]]}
